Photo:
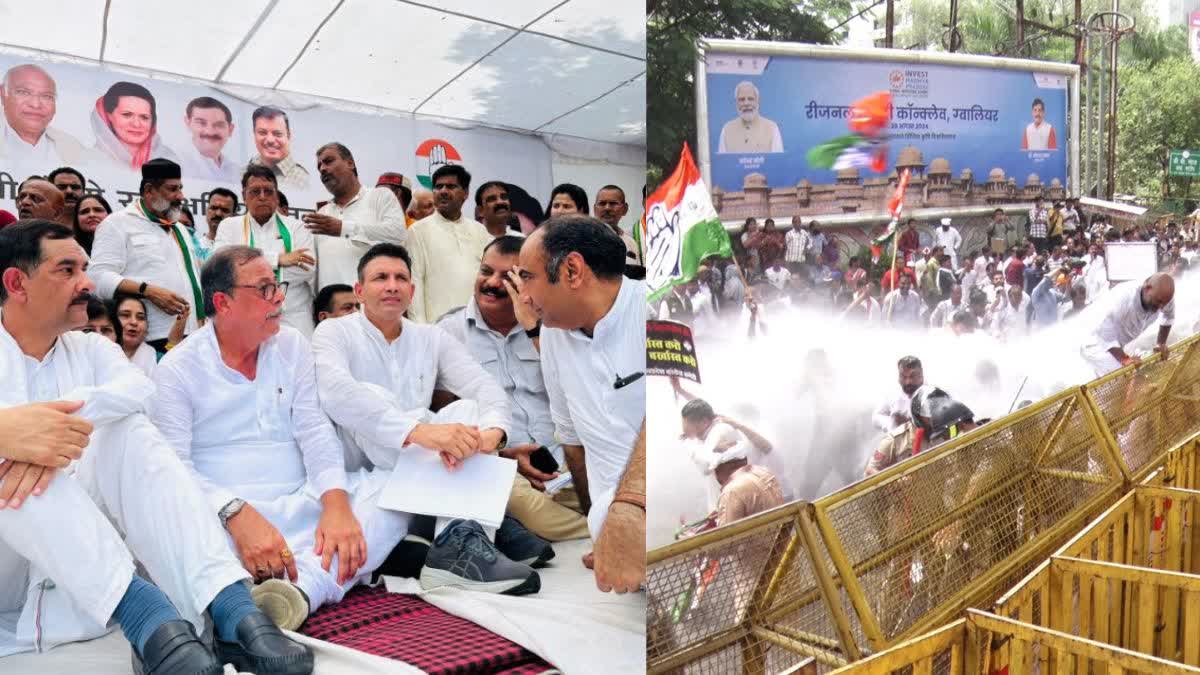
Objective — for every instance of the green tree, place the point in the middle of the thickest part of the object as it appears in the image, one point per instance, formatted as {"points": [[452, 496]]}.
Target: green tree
{"points": [[672, 28], [1157, 112]]}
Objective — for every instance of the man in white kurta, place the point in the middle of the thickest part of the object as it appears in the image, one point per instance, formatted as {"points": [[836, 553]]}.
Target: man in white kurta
{"points": [[68, 572], [238, 402], [593, 361], [902, 307], [285, 243], [950, 240], [749, 131], [502, 334], [356, 218], [143, 251], [446, 248], [377, 373], [1131, 308]]}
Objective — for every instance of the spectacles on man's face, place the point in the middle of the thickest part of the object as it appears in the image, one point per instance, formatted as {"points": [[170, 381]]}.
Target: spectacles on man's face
{"points": [[268, 291]]}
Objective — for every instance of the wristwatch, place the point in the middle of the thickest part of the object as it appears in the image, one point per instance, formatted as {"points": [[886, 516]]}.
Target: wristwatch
{"points": [[535, 331], [230, 510], [142, 289]]}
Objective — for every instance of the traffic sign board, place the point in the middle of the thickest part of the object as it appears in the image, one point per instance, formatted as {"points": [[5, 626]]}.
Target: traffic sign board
{"points": [[1184, 163]]}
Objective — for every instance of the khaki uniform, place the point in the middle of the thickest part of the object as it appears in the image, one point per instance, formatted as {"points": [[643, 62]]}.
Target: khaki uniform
{"points": [[896, 446]]}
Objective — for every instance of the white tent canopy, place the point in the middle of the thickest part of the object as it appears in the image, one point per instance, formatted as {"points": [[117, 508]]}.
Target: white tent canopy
{"points": [[570, 67]]}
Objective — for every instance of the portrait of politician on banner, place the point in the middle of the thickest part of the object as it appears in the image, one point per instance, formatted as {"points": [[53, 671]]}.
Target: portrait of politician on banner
{"points": [[749, 132], [1039, 134], [125, 122], [30, 98]]}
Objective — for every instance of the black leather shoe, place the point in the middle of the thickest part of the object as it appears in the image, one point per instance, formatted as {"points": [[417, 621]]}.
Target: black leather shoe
{"points": [[263, 649], [175, 649]]}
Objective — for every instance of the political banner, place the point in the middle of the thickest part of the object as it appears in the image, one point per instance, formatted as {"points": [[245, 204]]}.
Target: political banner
{"points": [[670, 351], [970, 135], [107, 123]]}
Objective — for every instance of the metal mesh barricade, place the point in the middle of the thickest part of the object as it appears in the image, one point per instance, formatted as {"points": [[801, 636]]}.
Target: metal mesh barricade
{"points": [[922, 537]]}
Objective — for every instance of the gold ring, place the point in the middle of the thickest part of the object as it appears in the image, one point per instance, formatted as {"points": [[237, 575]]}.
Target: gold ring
{"points": [[285, 554]]}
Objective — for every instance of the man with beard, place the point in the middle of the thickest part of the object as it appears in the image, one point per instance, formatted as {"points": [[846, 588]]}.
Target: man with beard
{"points": [[38, 198], [902, 307], [895, 412], [285, 243], [749, 131], [1132, 308], [70, 182], [446, 248], [143, 251], [211, 125], [492, 201], [355, 219]]}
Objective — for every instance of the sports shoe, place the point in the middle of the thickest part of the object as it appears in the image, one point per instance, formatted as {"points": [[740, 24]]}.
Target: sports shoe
{"points": [[521, 545], [463, 556], [282, 601]]}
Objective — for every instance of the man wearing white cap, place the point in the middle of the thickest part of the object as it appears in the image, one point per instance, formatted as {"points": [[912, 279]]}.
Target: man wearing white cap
{"points": [[949, 239]]}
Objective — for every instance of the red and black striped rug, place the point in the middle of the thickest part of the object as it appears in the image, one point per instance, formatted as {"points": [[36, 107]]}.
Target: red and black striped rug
{"points": [[408, 629]]}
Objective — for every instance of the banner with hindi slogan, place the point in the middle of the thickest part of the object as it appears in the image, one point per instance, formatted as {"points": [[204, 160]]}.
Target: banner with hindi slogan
{"points": [[106, 122], [968, 133], [670, 351]]}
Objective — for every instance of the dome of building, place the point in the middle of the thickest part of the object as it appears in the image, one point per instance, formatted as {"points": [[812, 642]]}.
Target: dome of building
{"points": [[966, 174], [803, 184], [910, 156], [940, 165], [754, 180], [996, 174], [851, 172], [1055, 183], [1033, 180]]}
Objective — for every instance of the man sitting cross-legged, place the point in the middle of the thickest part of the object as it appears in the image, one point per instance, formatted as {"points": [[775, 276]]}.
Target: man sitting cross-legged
{"points": [[67, 572], [377, 372], [238, 402]]}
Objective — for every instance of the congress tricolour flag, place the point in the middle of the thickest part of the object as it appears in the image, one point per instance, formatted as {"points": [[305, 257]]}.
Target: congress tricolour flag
{"points": [[680, 229]]}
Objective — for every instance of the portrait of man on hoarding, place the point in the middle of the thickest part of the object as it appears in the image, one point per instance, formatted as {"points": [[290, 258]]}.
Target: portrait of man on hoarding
{"points": [[749, 131], [273, 139], [1039, 134], [210, 123], [30, 98]]}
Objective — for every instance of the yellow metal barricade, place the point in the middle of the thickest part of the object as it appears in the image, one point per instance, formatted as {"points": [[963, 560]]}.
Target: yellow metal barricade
{"points": [[1180, 468]]}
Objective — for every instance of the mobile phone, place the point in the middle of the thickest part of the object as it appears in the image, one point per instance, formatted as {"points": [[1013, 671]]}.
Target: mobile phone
{"points": [[543, 460]]}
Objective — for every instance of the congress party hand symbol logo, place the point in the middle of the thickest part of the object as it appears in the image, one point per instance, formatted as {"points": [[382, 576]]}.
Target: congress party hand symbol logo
{"points": [[662, 230], [431, 154]]}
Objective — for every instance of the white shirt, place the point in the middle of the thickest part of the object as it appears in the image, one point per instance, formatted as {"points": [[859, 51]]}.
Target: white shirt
{"points": [[445, 262], [1037, 137], [779, 277], [900, 405], [586, 406], [371, 216], [515, 364], [200, 167], [145, 358], [129, 246], [944, 312], [1125, 318], [254, 439], [355, 362], [42, 154], [902, 310], [297, 304], [1009, 321], [949, 239]]}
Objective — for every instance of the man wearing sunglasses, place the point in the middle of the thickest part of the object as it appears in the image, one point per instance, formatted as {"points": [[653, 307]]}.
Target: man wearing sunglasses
{"points": [[238, 402]]}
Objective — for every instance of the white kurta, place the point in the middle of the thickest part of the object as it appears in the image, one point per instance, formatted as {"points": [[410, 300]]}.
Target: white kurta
{"points": [[130, 246], [903, 311], [445, 257], [1124, 320], [64, 564], [372, 216], [900, 405], [950, 241], [1009, 321], [377, 392], [145, 358], [587, 407], [297, 304], [266, 441]]}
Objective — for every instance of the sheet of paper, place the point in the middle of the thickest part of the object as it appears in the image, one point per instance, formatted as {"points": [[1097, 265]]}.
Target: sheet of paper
{"points": [[478, 490], [556, 485]]}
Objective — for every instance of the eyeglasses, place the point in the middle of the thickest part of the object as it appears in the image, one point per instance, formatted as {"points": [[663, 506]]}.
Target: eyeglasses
{"points": [[260, 192], [26, 94], [267, 291]]}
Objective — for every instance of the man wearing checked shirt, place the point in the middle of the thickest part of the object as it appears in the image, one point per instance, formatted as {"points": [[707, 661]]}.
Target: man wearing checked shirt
{"points": [[143, 251]]}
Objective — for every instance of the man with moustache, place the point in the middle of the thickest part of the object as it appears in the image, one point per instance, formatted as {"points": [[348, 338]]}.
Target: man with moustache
{"points": [[143, 251], [896, 411], [211, 125], [749, 131], [222, 203], [70, 182], [273, 139], [446, 248], [30, 100], [501, 332], [333, 301], [285, 243], [376, 373], [491, 199], [610, 208], [38, 198], [355, 219], [128, 496], [902, 307]]}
